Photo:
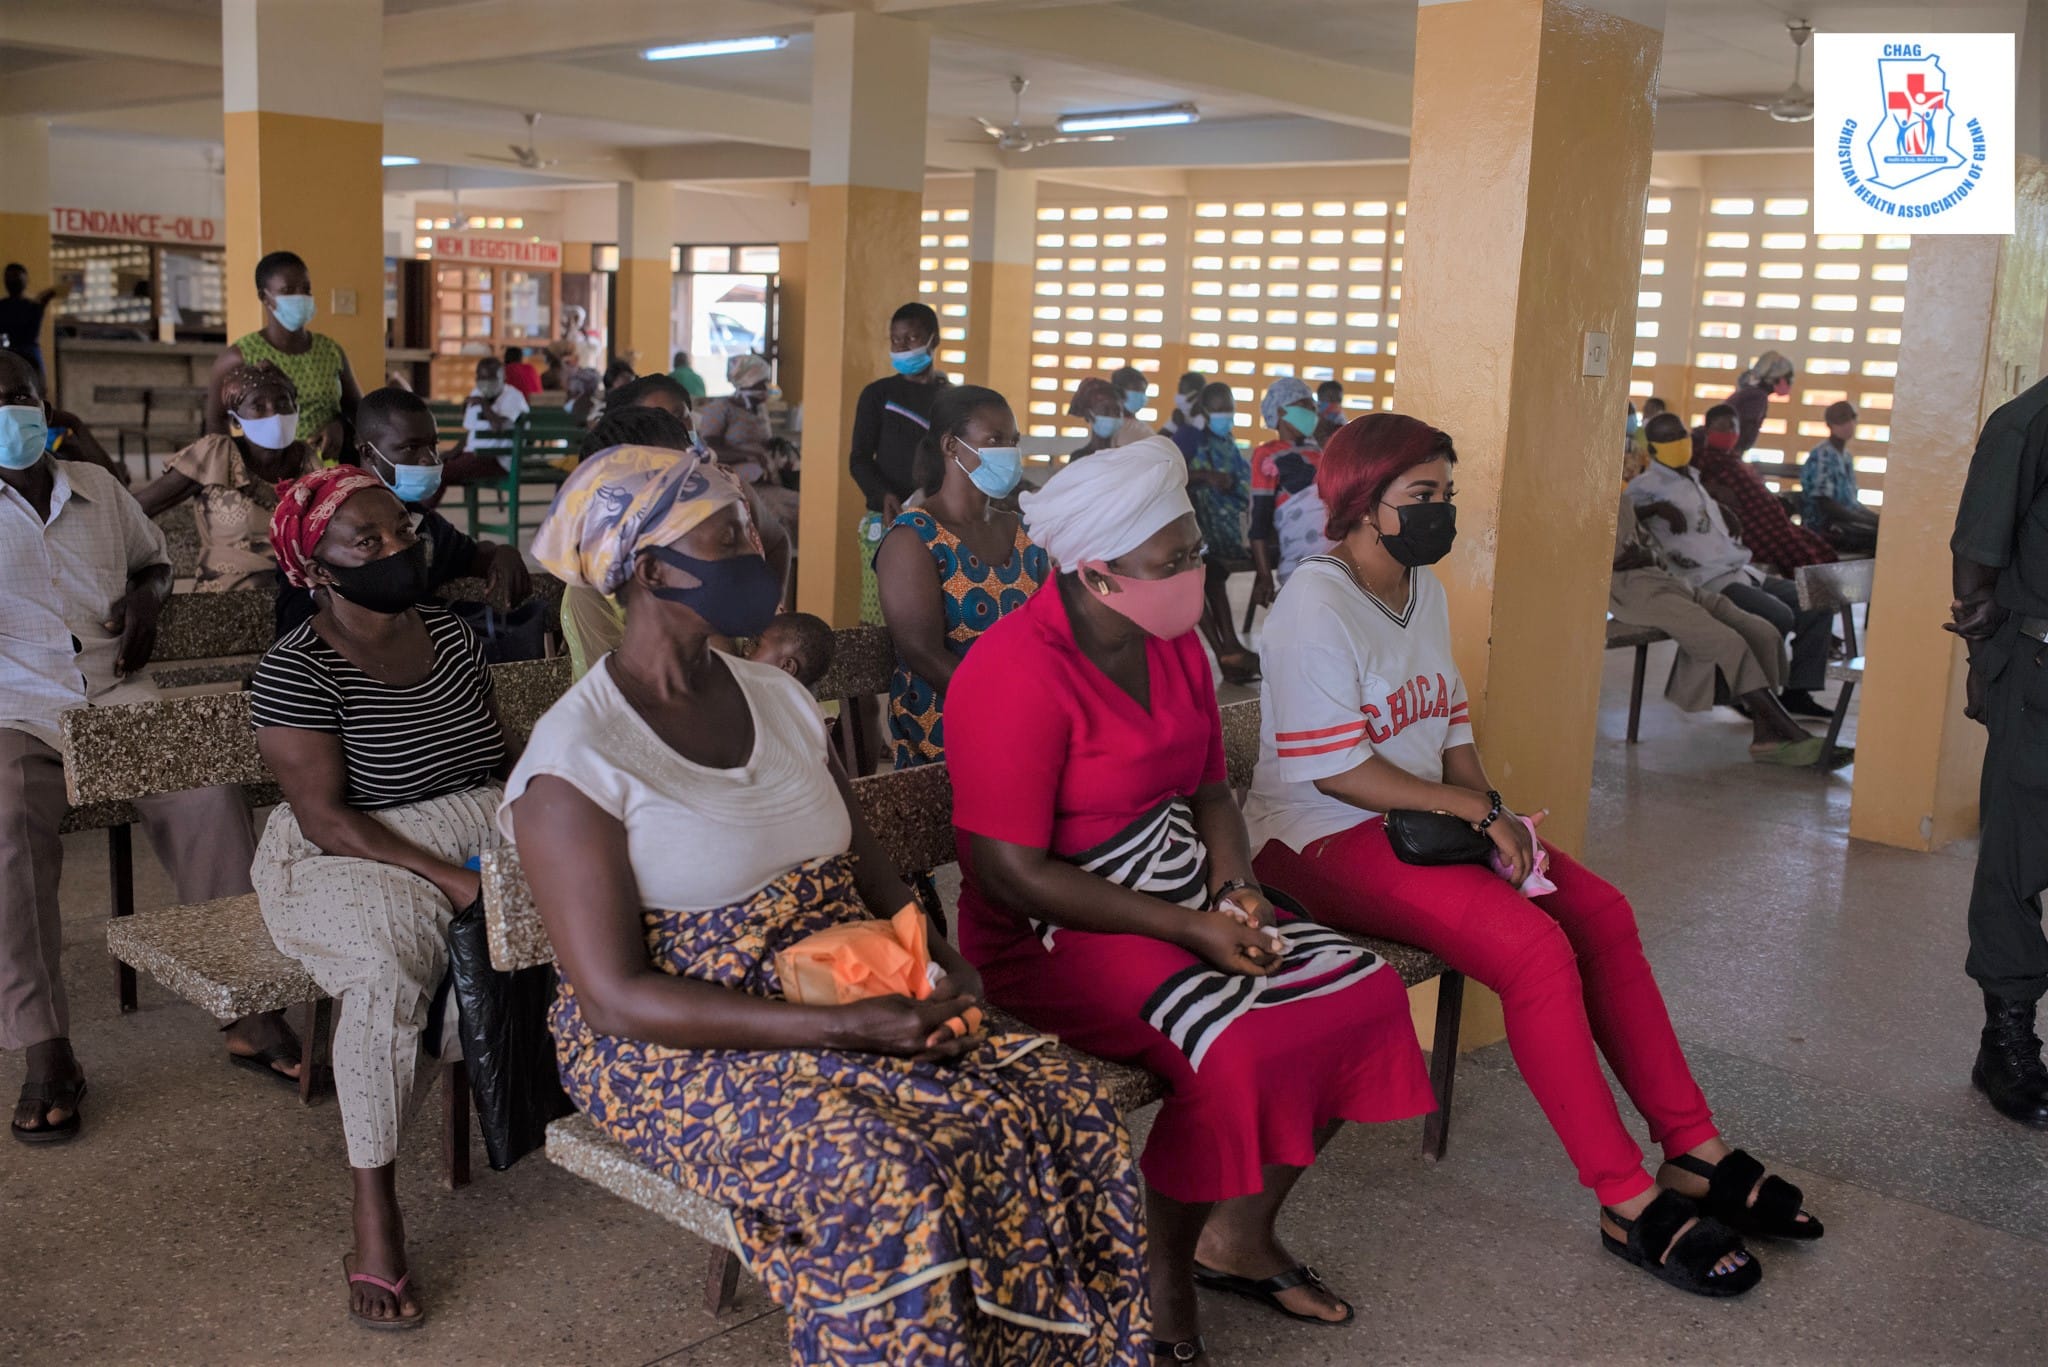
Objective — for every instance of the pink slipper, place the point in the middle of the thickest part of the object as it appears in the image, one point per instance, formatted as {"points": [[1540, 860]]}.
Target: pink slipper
{"points": [[397, 1290]]}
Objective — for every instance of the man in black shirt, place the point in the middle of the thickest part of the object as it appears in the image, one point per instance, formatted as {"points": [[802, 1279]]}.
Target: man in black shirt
{"points": [[21, 316], [2000, 550], [394, 427], [889, 424]]}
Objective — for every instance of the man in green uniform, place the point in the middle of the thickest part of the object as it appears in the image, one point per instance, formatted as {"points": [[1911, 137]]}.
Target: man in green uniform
{"points": [[2001, 608]]}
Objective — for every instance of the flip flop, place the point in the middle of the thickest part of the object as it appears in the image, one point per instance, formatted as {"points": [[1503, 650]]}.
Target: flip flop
{"points": [[263, 1061], [1793, 754], [50, 1095], [397, 1290], [1266, 1291]]}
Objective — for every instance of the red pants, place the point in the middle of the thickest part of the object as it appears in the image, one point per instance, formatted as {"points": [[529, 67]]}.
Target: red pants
{"points": [[1570, 972]]}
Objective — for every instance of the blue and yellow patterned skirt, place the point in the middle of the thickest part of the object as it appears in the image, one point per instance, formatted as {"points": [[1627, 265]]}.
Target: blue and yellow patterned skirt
{"points": [[980, 1211]]}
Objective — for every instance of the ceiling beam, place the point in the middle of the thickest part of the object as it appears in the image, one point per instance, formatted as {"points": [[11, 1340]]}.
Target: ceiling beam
{"points": [[114, 83], [510, 30], [1116, 40], [1231, 142], [721, 161], [574, 92], [112, 31]]}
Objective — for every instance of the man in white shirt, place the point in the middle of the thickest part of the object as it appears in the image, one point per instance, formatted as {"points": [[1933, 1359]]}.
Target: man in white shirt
{"points": [[1692, 532], [492, 409], [88, 573]]}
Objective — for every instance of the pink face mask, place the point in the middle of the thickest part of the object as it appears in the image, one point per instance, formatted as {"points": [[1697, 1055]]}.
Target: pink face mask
{"points": [[1166, 608]]}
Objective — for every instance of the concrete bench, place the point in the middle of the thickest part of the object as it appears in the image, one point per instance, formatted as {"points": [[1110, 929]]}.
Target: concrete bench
{"points": [[1838, 588], [218, 955], [910, 812]]}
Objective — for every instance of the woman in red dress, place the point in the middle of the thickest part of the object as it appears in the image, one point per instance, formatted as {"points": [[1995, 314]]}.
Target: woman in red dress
{"points": [[1108, 892]]}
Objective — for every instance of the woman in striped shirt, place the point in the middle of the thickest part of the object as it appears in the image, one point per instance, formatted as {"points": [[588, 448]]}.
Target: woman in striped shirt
{"points": [[379, 720]]}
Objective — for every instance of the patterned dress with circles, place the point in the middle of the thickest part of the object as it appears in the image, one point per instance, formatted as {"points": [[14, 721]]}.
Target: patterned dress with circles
{"points": [[977, 595]]}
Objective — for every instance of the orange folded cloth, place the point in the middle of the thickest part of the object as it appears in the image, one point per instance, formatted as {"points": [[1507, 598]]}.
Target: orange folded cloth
{"points": [[862, 959]]}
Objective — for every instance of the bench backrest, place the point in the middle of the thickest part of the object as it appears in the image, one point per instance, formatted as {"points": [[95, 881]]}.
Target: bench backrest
{"points": [[862, 661], [1834, 587], [909, 810], [116, 754], [205, 626]]}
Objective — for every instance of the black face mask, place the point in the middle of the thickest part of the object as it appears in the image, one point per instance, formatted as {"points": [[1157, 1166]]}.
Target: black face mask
{"points": [[389, 586], [737, 596], [1427, 531]]}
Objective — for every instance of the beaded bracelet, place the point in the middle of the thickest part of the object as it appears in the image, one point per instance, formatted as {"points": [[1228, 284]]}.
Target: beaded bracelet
{"points": [[1494, 815]]}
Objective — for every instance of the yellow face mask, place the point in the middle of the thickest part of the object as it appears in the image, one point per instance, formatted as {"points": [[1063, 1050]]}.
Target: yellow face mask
{"points": [[1676, 454]]}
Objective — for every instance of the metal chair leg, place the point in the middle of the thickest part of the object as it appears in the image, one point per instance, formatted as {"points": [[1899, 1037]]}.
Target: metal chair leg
{"points": [[1443, 1062], [455, 1125], [1827, 751], [722, 1279], [121, 876], [1635, 693], [1849, 630]]}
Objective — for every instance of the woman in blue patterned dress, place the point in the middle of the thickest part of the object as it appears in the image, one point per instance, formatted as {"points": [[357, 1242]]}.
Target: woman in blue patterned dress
{"points": [[1220, 487], [950, 570], [912, 1190]]}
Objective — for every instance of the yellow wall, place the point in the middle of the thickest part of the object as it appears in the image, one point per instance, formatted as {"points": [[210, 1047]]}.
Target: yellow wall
{"points": [[859, 273], [999, 310], [1974, 336], [316, 187], [640, 331], [795, 286], [26, 238]]}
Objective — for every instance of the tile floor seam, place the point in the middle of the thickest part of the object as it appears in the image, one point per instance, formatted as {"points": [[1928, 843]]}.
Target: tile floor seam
{"points": [[731, 1328]]}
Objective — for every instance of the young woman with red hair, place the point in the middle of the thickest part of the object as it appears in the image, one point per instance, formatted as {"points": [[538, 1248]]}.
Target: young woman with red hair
{"points": [[1364, 714]]}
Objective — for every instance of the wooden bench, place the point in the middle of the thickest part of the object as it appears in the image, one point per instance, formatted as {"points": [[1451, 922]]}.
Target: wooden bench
{"points": [[910, 812], [218, 955], [1838, 588], [1622, 636]]}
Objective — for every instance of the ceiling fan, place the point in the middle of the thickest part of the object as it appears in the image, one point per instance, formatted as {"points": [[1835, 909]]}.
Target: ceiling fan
{"points": [[1018, 138], [1795, 104], [528, 157]]}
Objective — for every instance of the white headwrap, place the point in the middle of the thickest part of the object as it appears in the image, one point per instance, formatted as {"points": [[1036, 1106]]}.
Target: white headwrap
{"points": [[1106, 505], [745, 370]]}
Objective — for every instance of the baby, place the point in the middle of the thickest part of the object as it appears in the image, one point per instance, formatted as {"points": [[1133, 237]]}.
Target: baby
{"points": [[798, 644]]}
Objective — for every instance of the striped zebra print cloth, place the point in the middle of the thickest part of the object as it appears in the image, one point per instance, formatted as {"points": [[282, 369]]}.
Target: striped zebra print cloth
{"points": [[1160, 854]]}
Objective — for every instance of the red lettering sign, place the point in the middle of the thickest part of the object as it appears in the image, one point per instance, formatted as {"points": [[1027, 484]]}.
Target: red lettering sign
{"points": [[508, 251], [136, 226]]}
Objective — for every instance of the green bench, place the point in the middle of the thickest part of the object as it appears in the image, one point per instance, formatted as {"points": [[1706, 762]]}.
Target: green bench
{"points": [[539, 439]]}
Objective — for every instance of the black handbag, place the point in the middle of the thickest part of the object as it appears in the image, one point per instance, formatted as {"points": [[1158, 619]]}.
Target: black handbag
{"points": [[1433, 838], [505, 1042]]}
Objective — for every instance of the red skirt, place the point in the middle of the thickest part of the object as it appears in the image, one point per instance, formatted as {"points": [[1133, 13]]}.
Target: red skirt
{"points": [[1255, 1092]]}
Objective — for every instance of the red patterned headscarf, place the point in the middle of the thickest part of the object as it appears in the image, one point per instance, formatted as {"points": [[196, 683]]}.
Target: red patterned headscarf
{"points": [[305, 507]]}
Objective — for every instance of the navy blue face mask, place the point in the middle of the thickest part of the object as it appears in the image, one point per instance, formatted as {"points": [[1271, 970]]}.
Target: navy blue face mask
{"points": [[738, 596]]}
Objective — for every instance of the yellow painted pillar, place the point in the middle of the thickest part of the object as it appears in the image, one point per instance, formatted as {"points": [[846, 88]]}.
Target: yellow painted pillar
{"points": [[999, 266], [869, 76], [302, 90], [792, 290], [1530, 163], [1973, 338], [640, 333], [25, 219]]}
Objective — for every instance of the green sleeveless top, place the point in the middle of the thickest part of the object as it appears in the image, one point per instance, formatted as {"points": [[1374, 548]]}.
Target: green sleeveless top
{"points": [[315, 372]]}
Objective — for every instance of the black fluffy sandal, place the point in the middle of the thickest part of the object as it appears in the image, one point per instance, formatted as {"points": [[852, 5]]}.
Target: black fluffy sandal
{"points": [[1689, 1264], [1775, 1212]]}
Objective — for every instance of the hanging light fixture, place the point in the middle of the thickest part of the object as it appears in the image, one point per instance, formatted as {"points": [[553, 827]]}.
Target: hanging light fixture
{"points": [[1113, 120]]}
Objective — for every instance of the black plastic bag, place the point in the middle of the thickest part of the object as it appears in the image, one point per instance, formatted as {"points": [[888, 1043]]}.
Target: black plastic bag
{"points": [[521, 634], [505, 1042]]}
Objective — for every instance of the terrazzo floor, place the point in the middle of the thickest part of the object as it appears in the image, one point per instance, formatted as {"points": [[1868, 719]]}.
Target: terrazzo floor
{"points": [[1816, 982]]}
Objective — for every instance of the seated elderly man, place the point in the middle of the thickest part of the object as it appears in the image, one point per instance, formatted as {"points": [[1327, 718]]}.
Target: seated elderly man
{"points": [[90, 574], [1691, 531], [1717, 642]]}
